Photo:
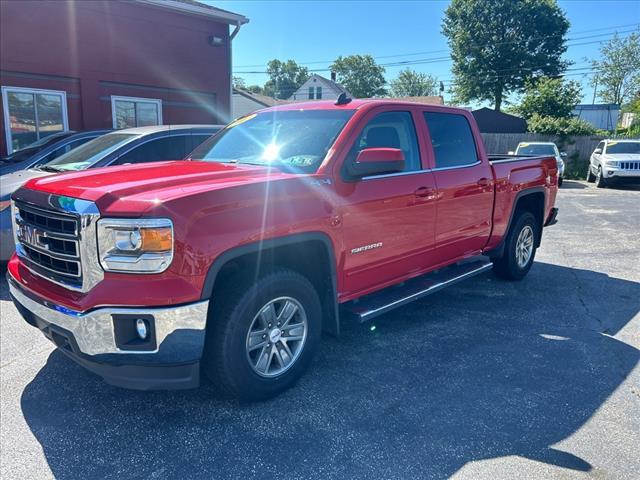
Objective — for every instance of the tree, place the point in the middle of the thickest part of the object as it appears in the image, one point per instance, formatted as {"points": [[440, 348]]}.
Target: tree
{"points": [[497, 45], [238, 82], [360, 74], [284, 78], [255, 89], [414, 84], [618, 71], [562, 127], [549, 97]]}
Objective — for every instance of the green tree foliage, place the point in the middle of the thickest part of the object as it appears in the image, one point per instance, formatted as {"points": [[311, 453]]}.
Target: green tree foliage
{"points": [[360, 74], [618, 69], [497, 45], [562, 127], [284, 78], [549, 97], [413, 84]]}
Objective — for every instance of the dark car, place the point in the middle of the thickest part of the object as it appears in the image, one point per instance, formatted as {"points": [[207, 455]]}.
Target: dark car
{"points": [[119, 147], [46, 149]]}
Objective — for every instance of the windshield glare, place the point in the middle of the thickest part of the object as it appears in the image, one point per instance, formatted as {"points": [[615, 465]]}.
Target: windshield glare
{"points": [[91, 152], [535, 150], [623, 147], [296, 140]]}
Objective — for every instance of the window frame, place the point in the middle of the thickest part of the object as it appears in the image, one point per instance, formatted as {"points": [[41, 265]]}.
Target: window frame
{"points": [[319, 92], [434, 167], [311, 93], [120, 98], [359, 129], [6, 89]]}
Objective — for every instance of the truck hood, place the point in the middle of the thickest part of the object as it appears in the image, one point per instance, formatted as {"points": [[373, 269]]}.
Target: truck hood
{"points": [[146, 185], [10, 182]]}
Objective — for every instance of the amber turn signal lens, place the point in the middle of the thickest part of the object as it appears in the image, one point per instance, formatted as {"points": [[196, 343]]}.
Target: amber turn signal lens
{"points": [[156, 239]]}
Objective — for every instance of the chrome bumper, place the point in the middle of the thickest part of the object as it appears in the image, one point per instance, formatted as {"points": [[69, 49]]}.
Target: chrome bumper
{"points": [[94, 333]]}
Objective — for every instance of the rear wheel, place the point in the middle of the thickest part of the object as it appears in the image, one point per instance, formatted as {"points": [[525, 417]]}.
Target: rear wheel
{"points": [[600, 180], [520, 248], [590, 176], [263, 336]]}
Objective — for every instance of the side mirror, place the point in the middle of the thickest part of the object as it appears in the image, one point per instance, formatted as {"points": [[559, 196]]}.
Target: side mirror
{"points": [[563, 154], [597, 151], [376, 161]]}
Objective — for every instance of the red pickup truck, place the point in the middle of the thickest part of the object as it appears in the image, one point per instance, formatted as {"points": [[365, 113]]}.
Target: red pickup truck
{"points": [[283, 224]]}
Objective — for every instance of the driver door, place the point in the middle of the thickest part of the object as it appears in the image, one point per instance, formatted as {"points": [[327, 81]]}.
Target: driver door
{"points": [[387, 220]]}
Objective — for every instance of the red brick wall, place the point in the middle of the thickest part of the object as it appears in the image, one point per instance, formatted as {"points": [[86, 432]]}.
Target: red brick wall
{"points": [[95, 49]]}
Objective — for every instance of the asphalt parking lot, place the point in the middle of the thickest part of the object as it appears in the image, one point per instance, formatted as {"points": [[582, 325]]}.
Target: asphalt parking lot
{"points": [[486, 379]]}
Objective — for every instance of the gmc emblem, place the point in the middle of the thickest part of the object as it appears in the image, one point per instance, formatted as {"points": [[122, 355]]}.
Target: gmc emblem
{"points": [[31, 236]]}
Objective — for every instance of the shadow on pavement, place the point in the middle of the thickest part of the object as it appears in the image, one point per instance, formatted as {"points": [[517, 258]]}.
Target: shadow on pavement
{"points": [[572, 185], [482, 370]]}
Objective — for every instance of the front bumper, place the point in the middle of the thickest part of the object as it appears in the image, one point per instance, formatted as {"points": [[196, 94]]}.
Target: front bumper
{"points": [[611, 173], [101, 341]]}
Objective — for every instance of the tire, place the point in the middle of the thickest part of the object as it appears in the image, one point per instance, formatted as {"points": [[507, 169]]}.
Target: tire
{"points": [[227, 360], [509, 266], [600, 181], [590, 176], [560, 182]]}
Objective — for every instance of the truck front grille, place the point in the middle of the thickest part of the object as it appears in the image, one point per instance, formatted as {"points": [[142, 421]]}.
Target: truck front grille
{"points": [[49, 243], [630, 165]]}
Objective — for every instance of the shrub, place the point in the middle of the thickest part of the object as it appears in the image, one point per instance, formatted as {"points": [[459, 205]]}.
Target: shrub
{"points": [[560, 126]]}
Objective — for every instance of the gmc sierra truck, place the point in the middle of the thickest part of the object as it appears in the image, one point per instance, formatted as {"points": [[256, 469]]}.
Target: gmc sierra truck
{"points": [[287, 222]]}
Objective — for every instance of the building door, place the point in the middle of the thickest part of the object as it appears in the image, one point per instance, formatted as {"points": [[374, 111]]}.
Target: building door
{"points": [[31, 115]]}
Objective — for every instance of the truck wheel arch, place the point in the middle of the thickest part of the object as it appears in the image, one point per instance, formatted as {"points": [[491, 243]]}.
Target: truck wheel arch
{"points": [[531, 199], [331, 320]]}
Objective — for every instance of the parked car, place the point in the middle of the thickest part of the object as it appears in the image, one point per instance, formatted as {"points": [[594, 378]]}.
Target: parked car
{"points": [[52, 147], [133, 145], [284, 223], [544, 148], [615, 161]]}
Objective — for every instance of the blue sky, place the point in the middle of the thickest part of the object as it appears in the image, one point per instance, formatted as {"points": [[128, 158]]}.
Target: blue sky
{"points": [[392, 31]]}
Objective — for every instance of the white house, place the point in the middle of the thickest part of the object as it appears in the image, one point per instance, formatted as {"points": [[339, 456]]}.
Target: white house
{"points": [[319, 88]]}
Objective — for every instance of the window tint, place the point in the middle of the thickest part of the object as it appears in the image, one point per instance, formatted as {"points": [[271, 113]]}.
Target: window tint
{"points": [[452, 139], [167, 148], [91, 152], [197, 139], [390, 130]]}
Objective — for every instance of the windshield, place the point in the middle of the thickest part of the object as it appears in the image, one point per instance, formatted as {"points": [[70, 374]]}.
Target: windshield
{"points": [[623, 147], [529, 149], [33, 148], [90, 153], [296, 140]]}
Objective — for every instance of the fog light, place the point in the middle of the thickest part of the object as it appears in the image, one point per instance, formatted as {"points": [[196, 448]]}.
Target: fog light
{"points": [[141, 328]]}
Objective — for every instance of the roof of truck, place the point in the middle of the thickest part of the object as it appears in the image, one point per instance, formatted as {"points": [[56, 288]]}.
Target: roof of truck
{"points": [[354, 104]]}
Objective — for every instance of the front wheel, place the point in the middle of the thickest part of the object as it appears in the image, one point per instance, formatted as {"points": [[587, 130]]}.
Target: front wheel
{"points": [[559, 182], [263, 335], [520, 248], [590, 176], [600, 180]]}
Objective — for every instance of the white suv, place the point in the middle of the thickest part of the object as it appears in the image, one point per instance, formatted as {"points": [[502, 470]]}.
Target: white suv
{"points": [[615, 161], [543, 148]]}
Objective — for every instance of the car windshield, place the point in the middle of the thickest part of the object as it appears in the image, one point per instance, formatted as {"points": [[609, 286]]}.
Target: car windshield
{"points": [[529, 149], [623, 147], [35, 147], [90, 153], [296, 140]]}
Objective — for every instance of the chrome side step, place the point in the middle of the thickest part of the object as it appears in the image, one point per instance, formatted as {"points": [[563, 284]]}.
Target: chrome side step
{"points": [[378, 303]]}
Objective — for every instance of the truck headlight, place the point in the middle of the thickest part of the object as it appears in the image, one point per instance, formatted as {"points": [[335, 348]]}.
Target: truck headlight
{"points": [[135, 245], [612, 163]]}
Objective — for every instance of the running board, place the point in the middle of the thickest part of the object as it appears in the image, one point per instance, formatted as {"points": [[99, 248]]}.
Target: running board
{"points": [[374, 304]]}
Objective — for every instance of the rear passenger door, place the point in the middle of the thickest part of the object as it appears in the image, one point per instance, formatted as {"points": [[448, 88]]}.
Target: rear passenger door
{"points": [[174, 147], [387, 220], [465, 187]]}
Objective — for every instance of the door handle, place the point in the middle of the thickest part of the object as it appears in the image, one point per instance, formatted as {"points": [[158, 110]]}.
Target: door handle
{"points": [[424, 192], [484, 182]]}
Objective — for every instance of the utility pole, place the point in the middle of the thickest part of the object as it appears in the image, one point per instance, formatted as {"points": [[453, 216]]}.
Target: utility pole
{"points": [[595, 90]]}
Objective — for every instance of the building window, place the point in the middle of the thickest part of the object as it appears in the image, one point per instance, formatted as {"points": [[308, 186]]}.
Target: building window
{"points": [[318, 93], [128, 112], [310, 93], [31, 115]]}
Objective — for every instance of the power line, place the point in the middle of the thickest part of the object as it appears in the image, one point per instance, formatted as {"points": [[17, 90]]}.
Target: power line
{"points": [[317, 62]]}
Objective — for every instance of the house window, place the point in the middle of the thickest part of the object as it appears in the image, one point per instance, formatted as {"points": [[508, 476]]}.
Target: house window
{"points": [[318, 93], [128, 112], [31, 115], [310, 93]]}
